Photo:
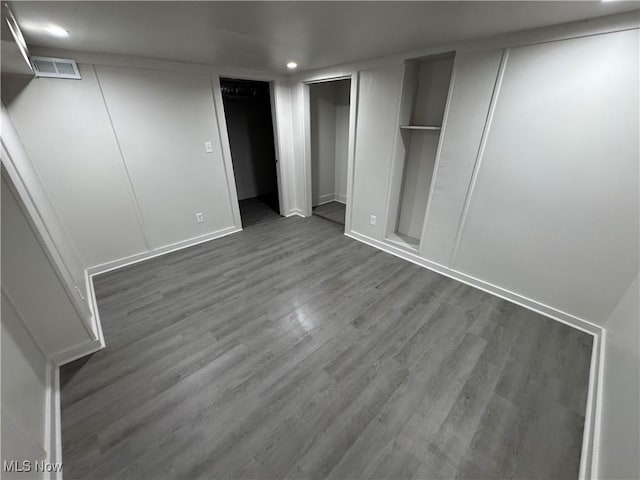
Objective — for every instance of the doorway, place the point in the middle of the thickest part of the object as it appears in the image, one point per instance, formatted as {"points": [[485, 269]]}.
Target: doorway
{"points": [[247, 110], [329, 105]]}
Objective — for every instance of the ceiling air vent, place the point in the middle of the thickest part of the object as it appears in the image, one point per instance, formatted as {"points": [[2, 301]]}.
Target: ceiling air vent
{"points": [[55, 67]]}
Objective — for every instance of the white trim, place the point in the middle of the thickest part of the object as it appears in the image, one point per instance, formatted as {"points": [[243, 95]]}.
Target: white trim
{"points": [[295, 211], [551, 312], [225, 145], [476, 167], [597, 417], [592, 410], [53, 430], [591, 432], [352, 76], [156, 252], [331, 197], [77, 351]]}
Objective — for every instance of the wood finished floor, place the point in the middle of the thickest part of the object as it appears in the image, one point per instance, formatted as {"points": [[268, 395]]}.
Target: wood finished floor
{"points": [[290, 350], [334, 211]]}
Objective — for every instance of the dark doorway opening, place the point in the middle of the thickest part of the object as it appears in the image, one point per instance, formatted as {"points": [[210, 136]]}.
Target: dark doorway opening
{"points": [[247, 110]]}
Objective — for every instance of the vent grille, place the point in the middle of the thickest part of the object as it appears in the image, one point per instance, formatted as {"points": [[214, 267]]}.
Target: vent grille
{"points": [[55, 67]]}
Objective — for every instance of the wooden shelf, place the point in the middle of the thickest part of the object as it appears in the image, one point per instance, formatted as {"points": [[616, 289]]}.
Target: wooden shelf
{"points": [[420, 127]]}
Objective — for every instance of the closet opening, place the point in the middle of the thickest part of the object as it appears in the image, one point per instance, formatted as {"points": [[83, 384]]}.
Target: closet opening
{"points": [[425, 91], [329, 103], [250, 128]]}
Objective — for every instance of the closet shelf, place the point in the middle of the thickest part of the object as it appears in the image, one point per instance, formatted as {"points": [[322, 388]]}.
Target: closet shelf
{"points": [[420, 127]]}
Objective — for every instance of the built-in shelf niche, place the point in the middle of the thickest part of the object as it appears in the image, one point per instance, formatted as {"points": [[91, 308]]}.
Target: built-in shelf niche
{"points": [[424, 98]]}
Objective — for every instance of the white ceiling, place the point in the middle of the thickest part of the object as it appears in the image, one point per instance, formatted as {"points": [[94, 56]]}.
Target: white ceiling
{"points": [[266, 35]]}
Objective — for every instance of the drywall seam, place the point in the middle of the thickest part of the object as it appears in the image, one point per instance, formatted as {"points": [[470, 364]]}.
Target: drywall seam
{"points": [[136, 204], [436, 164], [476, 167]]}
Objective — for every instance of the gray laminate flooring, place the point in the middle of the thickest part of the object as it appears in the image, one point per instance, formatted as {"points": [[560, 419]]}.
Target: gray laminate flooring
{"points": [[290, 350], [334, 211], [256, 210]]}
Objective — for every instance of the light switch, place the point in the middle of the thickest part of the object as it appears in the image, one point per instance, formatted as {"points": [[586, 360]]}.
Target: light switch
{"points": [[372, 219], [208, 147]]}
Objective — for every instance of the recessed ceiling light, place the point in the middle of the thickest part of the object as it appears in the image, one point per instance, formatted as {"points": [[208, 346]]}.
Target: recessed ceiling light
{"points": [[50, 29], [291, 65]]}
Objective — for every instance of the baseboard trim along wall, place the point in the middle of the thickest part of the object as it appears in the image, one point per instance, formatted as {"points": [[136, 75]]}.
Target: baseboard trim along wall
{"points": [[53, 429], [295, 211], [141, 257], [588, 458], [331, 197]]}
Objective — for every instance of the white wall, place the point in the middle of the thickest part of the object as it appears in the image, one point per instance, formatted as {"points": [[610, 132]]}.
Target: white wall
{"points": [[24, 394], [162, 120], [620, 417], [37, 202], [121, 155], [556, 191], [37, 292], [68, 136], [376, 131]]}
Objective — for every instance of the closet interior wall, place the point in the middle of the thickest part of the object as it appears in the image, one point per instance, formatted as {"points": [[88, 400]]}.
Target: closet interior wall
{"points": [[329, 102]]}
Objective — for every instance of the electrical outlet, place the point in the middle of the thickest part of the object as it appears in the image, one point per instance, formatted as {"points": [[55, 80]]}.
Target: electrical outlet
{"points": [[372, 219], [200, 217], [208, 147]]}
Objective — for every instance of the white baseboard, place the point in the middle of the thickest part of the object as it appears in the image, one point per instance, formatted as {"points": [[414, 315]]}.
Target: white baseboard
{"points": [[295, 211], [591, 433], [503, 293], [77, 351], [92, 346], [141, 257], [331, 197]]}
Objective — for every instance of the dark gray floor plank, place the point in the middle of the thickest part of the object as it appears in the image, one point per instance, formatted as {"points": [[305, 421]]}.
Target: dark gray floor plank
{"points": [[334, 211], [290, 350]]}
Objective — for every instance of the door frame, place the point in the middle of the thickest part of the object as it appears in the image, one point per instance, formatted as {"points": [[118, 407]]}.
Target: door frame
{"points": [[351, 143], [223, 129]]}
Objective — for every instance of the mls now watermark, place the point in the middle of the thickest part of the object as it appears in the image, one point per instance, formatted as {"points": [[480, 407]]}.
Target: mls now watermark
{"points": [[26, 466]]}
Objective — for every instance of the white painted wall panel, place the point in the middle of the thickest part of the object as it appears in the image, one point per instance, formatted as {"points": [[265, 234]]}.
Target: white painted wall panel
{"points": [[28, 182], [162, 120], [620, 433], [24, 393], [68, 137], [376, 130], [417, 179], [554, 212], [27, 275], [473, 80]]}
